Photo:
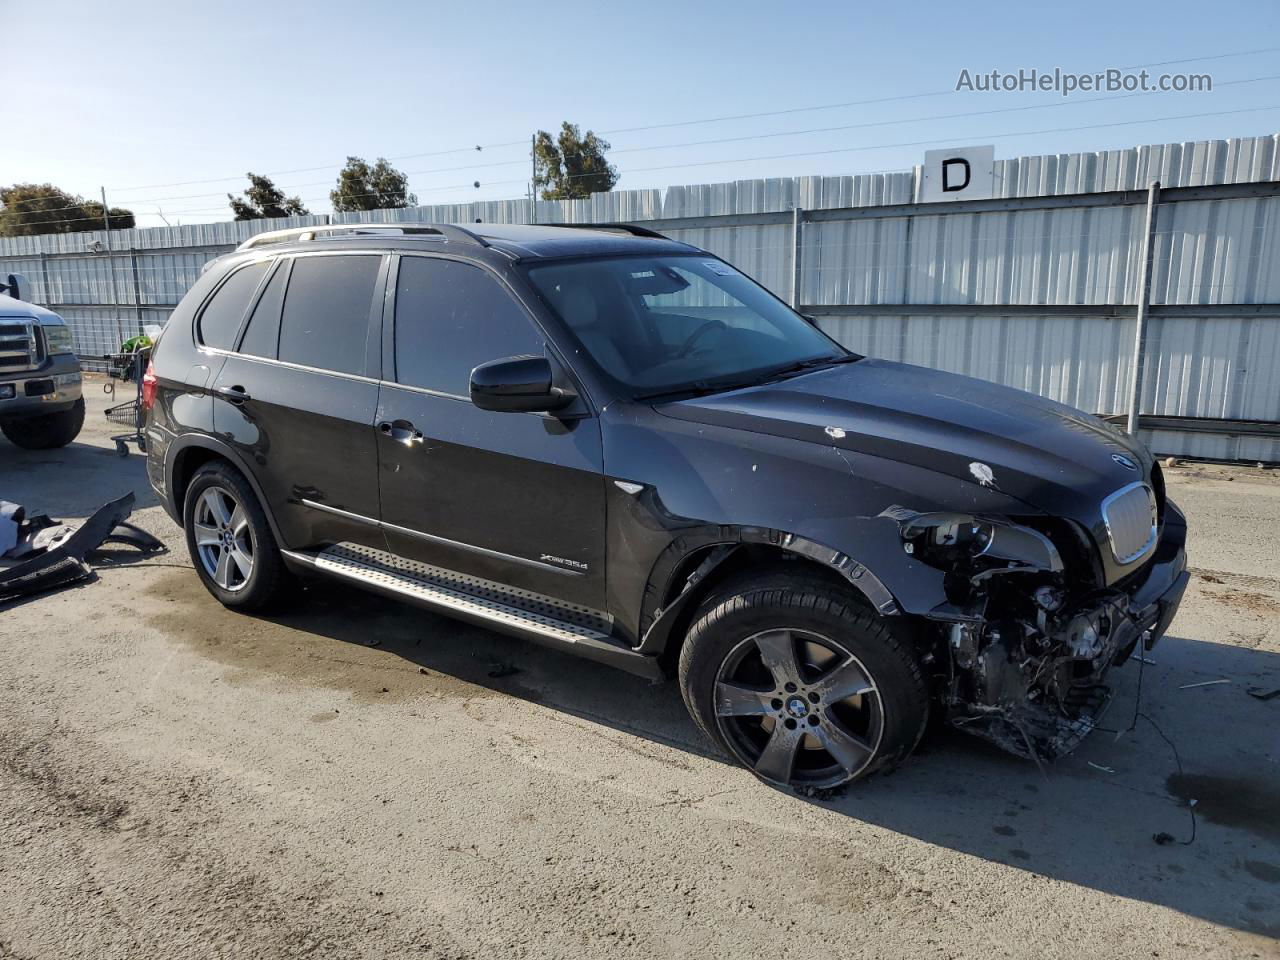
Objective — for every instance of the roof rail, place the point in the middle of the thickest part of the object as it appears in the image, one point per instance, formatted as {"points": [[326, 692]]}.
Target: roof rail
{"points": [[630, 228], [443, 231]]}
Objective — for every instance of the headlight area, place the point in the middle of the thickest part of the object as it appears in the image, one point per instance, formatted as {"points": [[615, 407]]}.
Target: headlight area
{"points": [[1022, 645], [976, 548], [57, 337]]}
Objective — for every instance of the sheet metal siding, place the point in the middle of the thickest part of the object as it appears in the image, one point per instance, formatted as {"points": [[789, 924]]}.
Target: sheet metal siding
{"points": [[1224, 368], [1206, 252], [97, 331], [763, 253]]}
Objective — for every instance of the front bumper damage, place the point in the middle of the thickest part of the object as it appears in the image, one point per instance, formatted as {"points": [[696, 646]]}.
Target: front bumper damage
{"points": [[1026, 660]]}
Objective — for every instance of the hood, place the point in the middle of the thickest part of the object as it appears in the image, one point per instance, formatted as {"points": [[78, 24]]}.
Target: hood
{"points": [[1054, 458], [10, 308]]}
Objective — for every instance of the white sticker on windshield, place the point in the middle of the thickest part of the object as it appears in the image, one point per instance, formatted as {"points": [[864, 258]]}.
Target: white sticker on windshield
{"points": [[720, 269]]}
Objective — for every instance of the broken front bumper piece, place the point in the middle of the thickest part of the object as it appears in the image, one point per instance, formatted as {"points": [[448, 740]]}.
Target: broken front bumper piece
{"points": [[1028, 673], [42, 553]]}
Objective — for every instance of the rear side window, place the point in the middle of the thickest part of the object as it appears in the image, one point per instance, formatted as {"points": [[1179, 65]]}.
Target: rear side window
{"points": [[325, 322], [263, 333], [450, 318], [220, 321]]}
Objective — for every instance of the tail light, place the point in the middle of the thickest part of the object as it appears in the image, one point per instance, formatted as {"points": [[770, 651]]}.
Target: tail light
{"points": [[149, 384]]}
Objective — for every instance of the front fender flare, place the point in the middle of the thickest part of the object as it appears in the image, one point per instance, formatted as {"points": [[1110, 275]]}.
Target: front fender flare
{"points": [[721, 543]]}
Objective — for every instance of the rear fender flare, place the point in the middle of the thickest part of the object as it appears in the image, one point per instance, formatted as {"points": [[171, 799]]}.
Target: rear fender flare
{"points": [[226, 452]]}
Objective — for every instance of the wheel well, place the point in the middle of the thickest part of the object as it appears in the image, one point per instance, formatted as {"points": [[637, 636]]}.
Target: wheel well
{"points": [[185, 466], [757, 558]]}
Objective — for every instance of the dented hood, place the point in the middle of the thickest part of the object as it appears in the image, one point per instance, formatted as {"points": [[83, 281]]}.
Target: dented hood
{"points": [[1050, 456]]}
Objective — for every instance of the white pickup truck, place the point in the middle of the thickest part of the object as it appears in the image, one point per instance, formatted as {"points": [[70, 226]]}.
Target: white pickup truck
{"points": [[41, 405]]}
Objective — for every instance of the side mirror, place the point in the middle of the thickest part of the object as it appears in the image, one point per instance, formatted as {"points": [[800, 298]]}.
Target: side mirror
{"points": [[518, 385], [17, 287]]}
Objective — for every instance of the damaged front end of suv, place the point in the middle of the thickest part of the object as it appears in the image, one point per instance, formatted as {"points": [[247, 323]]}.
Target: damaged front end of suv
{"points": [[1031, 624], [1023, 548]]}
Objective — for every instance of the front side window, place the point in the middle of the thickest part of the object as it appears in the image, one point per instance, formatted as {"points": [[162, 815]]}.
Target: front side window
{"points": [[220, 321], [450, 318], [664, 324], [325, 322]]}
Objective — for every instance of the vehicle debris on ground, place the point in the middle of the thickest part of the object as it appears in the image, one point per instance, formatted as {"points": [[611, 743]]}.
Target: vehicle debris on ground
{"points": [[38, 553]]}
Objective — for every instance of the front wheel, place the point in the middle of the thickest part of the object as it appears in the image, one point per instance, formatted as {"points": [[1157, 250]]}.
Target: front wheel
{"points": [[801, 683], [47, 431]]}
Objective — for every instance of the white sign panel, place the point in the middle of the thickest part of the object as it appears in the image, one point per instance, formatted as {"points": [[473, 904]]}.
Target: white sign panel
{"points": [[957, 173]]}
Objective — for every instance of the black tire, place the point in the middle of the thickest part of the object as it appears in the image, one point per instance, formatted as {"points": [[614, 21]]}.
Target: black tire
{"points": [[47, 431], [741, 702], [249, 536]]}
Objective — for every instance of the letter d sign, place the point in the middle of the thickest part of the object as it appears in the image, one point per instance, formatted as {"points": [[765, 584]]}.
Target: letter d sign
{"points": [[952, 181], [958, 173]]}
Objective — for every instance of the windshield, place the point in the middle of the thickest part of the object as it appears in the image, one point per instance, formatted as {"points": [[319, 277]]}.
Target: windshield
{"points": [[665, 324]]}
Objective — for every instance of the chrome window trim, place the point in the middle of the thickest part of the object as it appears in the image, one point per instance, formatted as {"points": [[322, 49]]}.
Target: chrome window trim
{"points": [[1152, 536], [442, 541], [426, 391], [218, 351]]}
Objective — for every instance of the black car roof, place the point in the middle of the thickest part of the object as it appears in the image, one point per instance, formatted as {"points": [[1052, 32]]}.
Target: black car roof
{"points": [[572, 241], [516, 241]]}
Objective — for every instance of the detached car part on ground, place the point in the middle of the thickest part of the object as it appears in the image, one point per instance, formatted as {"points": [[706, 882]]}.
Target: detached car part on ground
{"points": [[617, 445], [41, 406], [38, 553]]}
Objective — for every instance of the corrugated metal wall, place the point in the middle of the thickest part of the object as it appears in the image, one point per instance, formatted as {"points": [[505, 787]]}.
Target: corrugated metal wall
{"points": [[1207, 252]]}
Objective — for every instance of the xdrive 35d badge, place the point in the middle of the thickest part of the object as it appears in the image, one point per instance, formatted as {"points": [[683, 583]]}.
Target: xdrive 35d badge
{"points": [[619, 446]]}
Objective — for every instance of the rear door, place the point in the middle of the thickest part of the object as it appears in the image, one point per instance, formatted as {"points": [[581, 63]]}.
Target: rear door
{"points": [[298, 396], [513, 497]]}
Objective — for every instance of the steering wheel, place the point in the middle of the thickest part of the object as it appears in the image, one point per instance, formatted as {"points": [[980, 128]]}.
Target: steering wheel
{"points": [[687, 347]]}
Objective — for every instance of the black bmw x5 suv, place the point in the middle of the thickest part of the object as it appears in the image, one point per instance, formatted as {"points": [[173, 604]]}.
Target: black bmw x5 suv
{"points": [[620, 446]]}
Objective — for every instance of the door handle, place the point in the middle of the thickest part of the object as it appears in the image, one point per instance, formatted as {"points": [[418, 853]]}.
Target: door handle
{"points": [[401, 431], [235, 393]]}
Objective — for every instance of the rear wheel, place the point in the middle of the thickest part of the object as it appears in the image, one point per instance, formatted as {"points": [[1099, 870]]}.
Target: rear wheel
{"points": [[230, 540], [801, 683], [48, 430]]}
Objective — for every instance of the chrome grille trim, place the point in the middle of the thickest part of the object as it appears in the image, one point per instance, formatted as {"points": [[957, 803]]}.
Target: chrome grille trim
{"points": [[19, 345], [1130, 518]]}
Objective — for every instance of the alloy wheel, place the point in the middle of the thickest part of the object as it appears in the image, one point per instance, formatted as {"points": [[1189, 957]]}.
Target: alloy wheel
{"points": [[798, 708], [224, 540]]}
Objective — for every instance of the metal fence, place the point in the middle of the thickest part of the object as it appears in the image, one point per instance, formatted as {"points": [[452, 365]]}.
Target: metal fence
{"points": [[1038, 288]]}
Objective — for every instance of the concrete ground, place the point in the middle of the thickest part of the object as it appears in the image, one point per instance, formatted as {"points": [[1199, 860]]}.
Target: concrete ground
{"points": [[181, 781]]}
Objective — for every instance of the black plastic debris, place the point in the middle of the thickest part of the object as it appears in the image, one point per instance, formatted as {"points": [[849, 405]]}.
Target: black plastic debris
{"points": [[41, 553]]}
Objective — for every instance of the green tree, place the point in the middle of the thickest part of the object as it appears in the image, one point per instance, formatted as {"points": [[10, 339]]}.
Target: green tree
{"points": [[571, 165], [377, 187], [27, 209], [265, 201]]}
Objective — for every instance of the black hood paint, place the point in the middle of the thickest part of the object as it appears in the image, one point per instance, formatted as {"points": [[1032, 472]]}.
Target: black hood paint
{"points": [[1052, 457]]}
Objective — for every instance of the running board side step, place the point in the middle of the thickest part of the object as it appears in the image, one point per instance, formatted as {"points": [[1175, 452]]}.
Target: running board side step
{"points": [[522, 613]]}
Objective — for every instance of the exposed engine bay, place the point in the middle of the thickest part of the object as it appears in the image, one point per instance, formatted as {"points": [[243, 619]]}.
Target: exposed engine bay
{"points": [[1026, 638]]}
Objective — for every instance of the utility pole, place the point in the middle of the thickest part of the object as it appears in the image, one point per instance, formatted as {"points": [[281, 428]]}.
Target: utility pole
{"points": [[797, 240], [533, 178], [1144, 300], [111, 266]]}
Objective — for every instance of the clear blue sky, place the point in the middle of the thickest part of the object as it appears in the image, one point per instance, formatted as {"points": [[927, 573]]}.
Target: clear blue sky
{"points": [[135, 96]]}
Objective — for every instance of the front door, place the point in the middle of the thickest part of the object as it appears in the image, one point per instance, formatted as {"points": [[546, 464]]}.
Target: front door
{"points": [[297, 398], [513, 497]]}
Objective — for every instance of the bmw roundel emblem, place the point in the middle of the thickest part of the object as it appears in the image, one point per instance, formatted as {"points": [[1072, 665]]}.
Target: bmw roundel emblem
{"points": [[1124, 461]]}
